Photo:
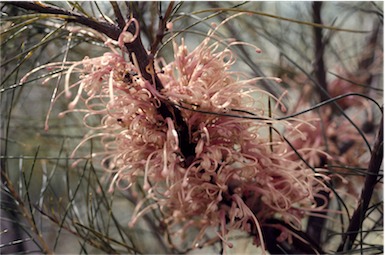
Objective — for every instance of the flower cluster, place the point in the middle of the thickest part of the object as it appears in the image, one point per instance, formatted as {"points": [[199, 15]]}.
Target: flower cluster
{"points": [[342, 139], [235, 179]]}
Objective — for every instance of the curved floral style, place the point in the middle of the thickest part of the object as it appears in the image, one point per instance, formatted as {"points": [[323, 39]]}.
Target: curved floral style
{"points": [[236, 179]]}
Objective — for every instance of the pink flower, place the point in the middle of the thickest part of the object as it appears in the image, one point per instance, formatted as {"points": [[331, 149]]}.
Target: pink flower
{"points": [[234, 181]]}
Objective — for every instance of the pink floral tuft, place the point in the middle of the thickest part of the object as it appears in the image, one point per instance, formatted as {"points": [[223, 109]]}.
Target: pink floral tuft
{"points": [[236, 178]]}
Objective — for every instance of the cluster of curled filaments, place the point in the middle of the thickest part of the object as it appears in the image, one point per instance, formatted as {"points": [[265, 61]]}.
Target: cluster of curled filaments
{"points": [[237, 176]]}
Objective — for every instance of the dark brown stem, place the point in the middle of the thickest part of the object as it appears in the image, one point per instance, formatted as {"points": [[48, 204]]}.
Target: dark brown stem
{"points": [[111, 30], [303, 245], [316, 224], [367, 192], [368, 57], [108, 29], [118, 14], [319, 48], [161, 27]]}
